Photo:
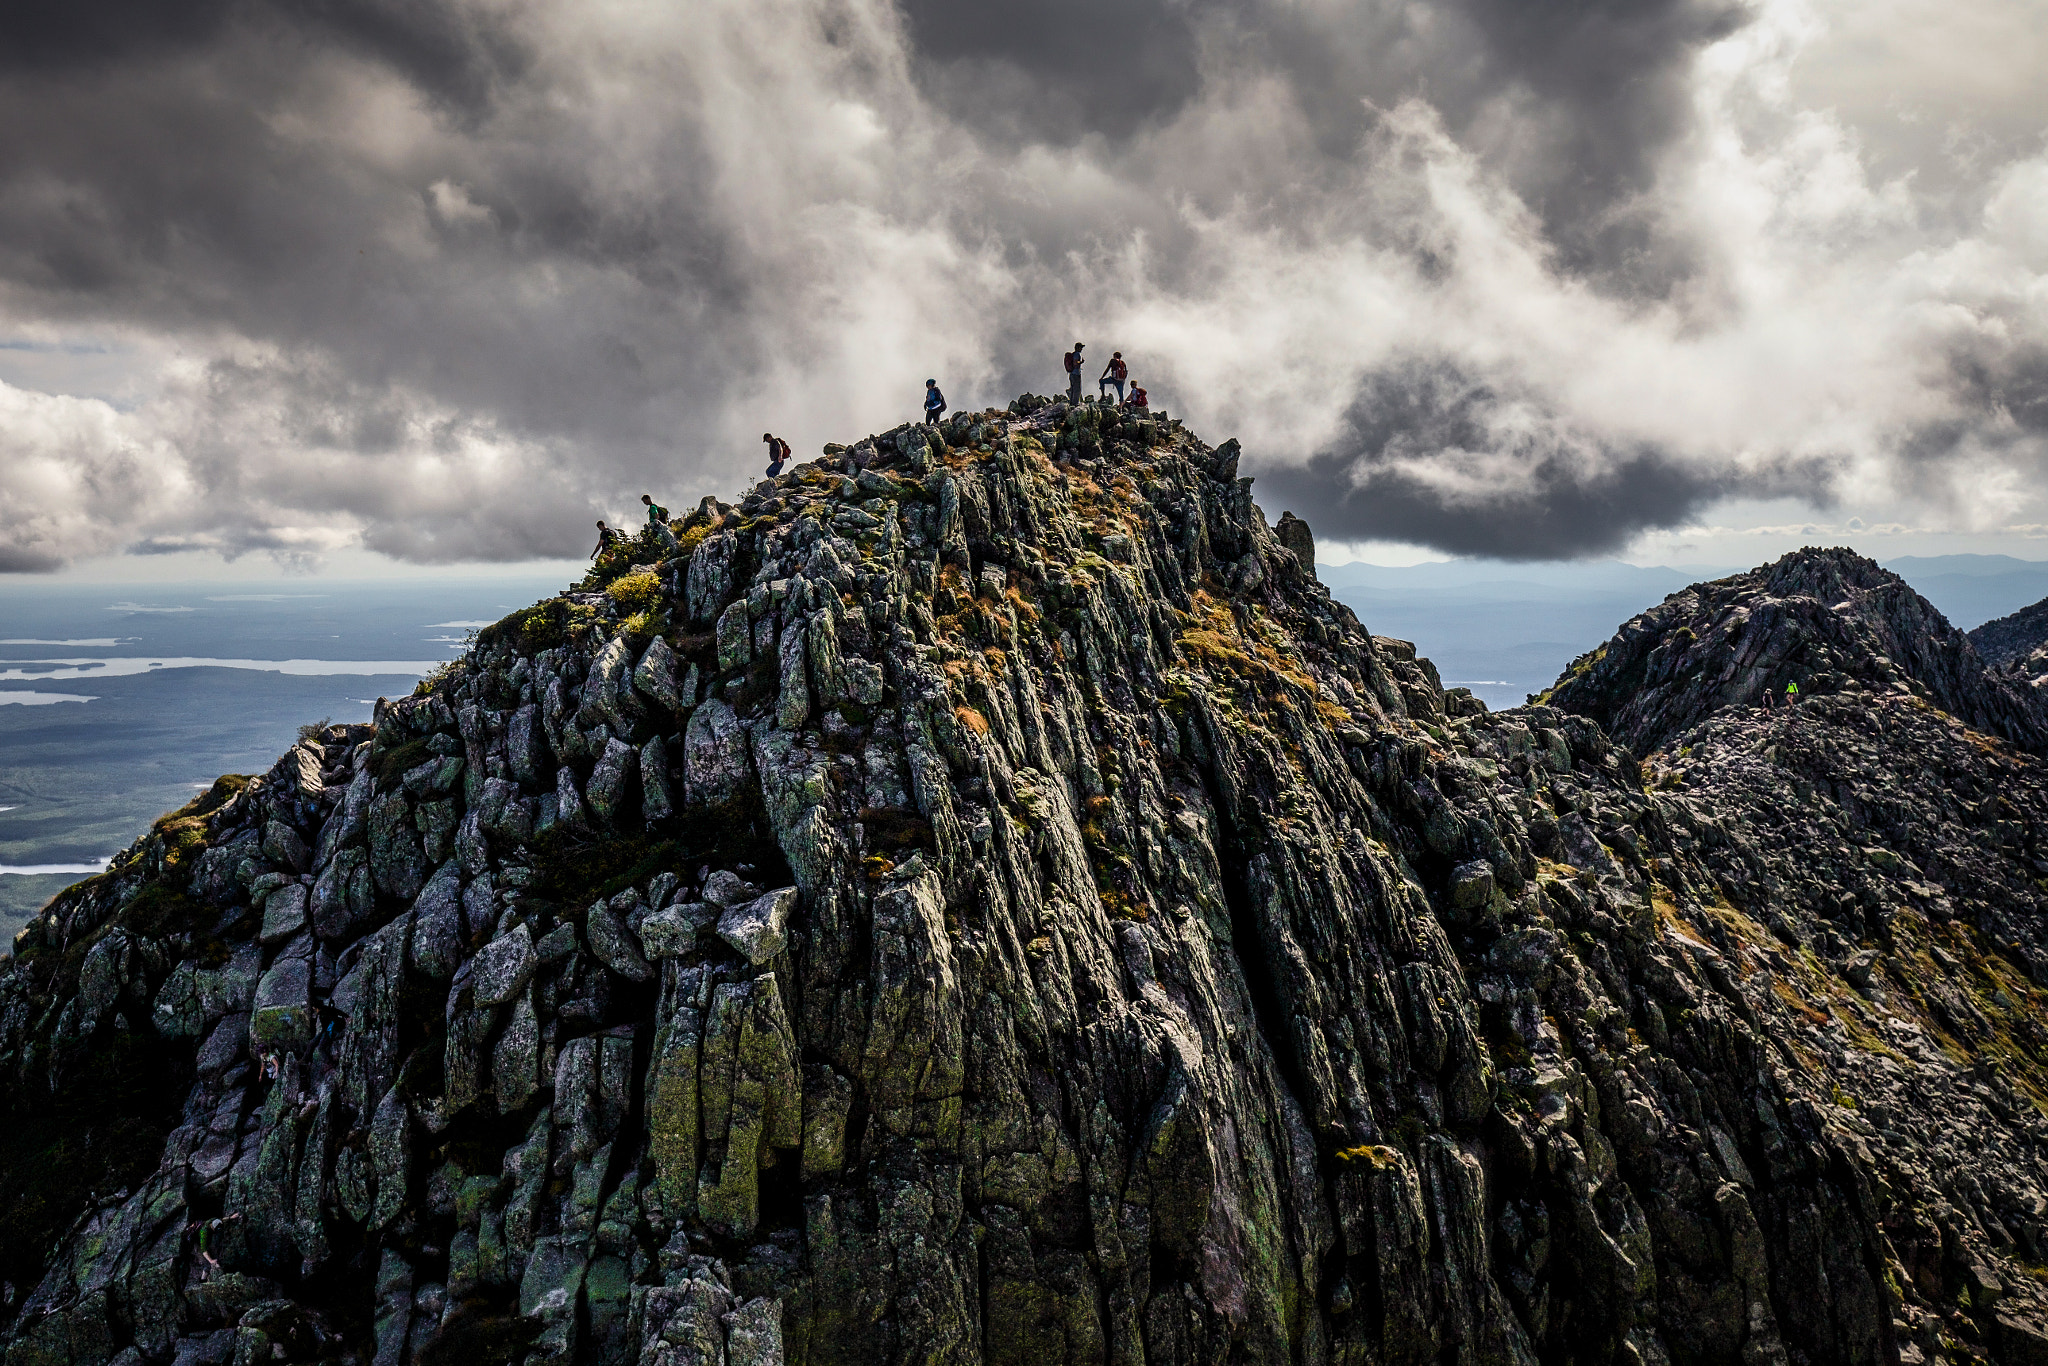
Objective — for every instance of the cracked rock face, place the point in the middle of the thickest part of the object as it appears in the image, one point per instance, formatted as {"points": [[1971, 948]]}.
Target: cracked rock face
{"points": [[984, 901]]}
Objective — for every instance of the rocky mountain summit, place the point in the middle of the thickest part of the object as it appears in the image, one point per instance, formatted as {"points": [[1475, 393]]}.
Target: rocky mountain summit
{"points": [[980, 899], [1818, 619]]}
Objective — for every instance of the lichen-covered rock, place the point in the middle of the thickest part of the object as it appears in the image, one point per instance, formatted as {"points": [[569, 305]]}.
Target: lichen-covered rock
{"points": [[1165, 969], [612, 782], [344, 897], [398, 864], [283, 1015], [437, 934], [614, 944], [717, 763], [759, 928], [657, 799], [654, 677], [504, 966]]}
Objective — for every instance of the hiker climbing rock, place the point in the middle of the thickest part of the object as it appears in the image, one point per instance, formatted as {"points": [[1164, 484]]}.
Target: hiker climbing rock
{"points": [[778, 452], [1114, 374], [1072, 360], [206, 1231], [657, 522], [607, 537], [934, 401]]}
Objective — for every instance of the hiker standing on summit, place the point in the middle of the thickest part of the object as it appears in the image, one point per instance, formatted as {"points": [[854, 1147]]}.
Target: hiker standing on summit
{"points": [[778, 451], [934, 401], [1072, 360], [1116, 372]]}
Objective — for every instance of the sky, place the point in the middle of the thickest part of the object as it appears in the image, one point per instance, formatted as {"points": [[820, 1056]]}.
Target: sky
{"points": [[390, 285]]}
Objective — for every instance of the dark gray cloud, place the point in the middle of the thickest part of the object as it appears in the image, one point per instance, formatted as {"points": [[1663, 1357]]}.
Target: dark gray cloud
{"points": [[1428, 455], [1572, 102], [51, 35], [447, 278], [1058, 70]]}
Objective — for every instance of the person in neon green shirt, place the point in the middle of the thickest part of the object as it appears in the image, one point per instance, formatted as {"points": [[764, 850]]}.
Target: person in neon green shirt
{"points": [[1791, 694]]}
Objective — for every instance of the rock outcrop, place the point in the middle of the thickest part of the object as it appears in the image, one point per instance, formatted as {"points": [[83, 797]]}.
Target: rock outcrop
{"points": [[1819, 619], [2012, 638], [984, 901]]}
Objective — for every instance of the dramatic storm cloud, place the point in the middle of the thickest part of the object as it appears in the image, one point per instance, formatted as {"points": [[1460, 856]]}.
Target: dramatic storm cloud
{"points": [[447, 280]]}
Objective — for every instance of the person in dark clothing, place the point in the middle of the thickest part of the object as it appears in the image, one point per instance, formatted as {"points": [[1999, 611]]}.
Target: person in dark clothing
{"points": [[934, 401], [1115, 373], [778, 452], [606, 539], [1072, 360]]}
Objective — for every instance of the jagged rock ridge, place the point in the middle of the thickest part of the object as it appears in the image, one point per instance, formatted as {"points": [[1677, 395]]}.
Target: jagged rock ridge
{"points": [[2012, 638], [989, 904], [1814, 618]]}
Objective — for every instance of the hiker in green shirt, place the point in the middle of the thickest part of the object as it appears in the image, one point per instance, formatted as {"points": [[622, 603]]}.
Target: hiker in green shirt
{"points": [[1791, 694], [657, 519]]}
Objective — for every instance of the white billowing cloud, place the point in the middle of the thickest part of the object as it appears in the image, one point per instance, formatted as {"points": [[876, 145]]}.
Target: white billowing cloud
{"points": [[455, 299], [71, 469]]}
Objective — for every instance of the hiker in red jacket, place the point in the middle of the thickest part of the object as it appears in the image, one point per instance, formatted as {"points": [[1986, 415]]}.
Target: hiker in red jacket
{"points": [[1115, 373], [1072, 360], [1137, 402]]}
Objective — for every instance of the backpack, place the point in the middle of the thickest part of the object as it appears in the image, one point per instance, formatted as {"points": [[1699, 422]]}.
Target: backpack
{"points": [[1073, 361], [1119, 370]]}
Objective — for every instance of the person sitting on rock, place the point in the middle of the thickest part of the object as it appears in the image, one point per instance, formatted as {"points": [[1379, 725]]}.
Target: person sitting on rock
{"points": [[1138, 403], [1114, 374], [1072, 360], [778, 452], [935, 402]]}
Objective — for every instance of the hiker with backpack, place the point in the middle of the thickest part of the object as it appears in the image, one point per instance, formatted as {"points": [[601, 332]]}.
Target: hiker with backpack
{"points": [[1138, 403], [657, 522], [1072, 360], [934, 401], [778, 452], [1115, 374], [607, 537]]}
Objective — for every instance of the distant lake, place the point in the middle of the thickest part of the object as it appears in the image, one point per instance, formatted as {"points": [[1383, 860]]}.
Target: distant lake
{"points": [[119, 702]]}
